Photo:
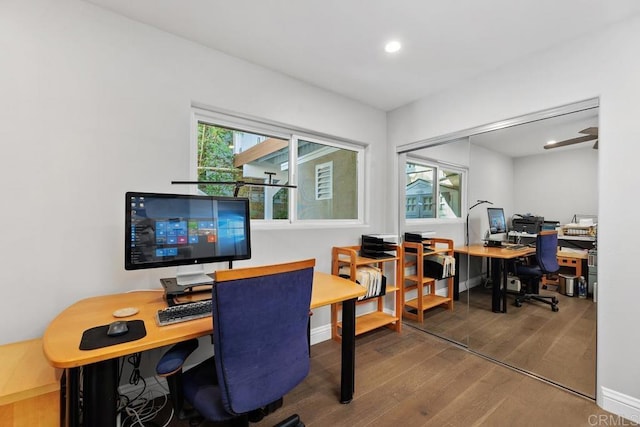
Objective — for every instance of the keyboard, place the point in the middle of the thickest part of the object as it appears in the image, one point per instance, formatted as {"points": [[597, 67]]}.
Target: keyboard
{"points": [[184, 312]]}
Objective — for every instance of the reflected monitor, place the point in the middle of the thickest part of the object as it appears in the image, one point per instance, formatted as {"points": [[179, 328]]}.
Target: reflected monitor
{"points": [[497, 224]]}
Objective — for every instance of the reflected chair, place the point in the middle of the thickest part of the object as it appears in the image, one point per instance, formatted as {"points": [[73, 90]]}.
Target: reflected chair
{"points": [[260, 321], [546, 262]]}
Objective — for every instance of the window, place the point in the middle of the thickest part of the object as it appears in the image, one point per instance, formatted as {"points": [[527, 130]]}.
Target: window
{"points": [[328, 173], [433, 190]]}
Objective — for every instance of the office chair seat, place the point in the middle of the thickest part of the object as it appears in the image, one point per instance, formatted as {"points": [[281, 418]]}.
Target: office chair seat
{"points": [[201, 390], [546, 262]]}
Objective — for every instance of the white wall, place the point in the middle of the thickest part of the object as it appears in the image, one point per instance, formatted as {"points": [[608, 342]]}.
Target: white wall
{"points": [[93, 105], [553, 78], [557, 185], [491, 178]]}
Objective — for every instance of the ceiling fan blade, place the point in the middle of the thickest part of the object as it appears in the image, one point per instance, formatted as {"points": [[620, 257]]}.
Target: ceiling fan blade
{"points": [[590, 131], [570, 141]]}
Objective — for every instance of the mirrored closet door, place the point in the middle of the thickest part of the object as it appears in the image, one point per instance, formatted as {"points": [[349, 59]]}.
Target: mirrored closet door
{"points": [[507, 165]]}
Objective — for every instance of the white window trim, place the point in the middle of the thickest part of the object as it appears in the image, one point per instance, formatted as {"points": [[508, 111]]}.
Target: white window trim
{"points": [[242, 122]]}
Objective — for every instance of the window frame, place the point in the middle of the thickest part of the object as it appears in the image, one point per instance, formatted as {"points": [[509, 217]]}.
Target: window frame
{"points": [[437, 166], [293, 134]]}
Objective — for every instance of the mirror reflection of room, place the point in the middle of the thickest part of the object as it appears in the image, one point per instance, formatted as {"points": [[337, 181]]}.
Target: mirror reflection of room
{"points": [[534, 189]]}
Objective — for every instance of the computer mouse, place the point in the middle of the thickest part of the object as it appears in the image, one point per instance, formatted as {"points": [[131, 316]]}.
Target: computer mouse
{"points": [[117, 328]]}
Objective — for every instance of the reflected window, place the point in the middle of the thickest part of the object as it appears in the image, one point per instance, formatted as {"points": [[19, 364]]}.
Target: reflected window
{"points": [[433, 191]]}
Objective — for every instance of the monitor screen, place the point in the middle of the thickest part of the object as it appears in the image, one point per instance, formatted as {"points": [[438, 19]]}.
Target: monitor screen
{"points": [[163, 230], [497, 223]]}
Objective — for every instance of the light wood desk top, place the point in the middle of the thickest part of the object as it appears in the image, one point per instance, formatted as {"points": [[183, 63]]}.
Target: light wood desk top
{"points": [[493, 252], [61, 340]]}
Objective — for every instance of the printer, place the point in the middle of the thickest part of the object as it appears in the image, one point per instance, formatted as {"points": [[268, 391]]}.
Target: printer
{"points": [[529, 224]]}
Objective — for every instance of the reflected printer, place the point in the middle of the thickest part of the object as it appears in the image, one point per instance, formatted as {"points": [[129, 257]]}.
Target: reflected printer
{"points": [[530, 224]]}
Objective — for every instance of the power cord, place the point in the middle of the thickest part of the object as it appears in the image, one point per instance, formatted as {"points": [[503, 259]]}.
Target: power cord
{"points": [[143, 408]]}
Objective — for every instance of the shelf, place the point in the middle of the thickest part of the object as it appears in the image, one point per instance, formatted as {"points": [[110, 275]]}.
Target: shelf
{"points": [[416, 279], [414, 256], [349, 256], [428, 301], [371, 321]]}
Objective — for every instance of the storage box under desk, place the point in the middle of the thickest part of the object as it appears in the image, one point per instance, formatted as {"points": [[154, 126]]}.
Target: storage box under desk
{"points": [[569, 262]]}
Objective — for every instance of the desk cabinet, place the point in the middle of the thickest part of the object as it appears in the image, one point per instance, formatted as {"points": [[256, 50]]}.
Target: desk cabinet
{"points": [[566, 261], [349, 256], [29, 386], [414, 257]]}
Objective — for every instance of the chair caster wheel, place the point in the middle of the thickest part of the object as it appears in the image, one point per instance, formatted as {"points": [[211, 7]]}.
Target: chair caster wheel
{"points": [[518, 303], [555, 300], [554, 308]]}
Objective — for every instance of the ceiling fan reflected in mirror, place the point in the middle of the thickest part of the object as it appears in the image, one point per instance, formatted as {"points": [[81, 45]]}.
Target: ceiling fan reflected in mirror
{"points": [[591, 133]]}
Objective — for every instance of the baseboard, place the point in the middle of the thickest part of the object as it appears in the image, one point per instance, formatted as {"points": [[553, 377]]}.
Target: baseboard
{"points": [[622, 405], [320, 334]]}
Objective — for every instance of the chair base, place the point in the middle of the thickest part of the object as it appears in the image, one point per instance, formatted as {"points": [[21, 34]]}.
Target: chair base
{"points": [[292, 421], [547, 299]]}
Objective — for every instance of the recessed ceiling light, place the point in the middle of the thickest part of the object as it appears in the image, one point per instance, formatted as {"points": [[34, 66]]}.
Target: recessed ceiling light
{"points": [[392, 46]]}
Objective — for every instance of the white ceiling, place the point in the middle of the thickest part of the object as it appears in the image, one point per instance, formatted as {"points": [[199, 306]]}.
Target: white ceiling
{"points": [[529, 139], [338, 44]]}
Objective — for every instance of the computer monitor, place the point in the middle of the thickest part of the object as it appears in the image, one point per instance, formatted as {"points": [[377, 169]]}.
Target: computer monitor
{"points": [[163, 230], [497, 224]]}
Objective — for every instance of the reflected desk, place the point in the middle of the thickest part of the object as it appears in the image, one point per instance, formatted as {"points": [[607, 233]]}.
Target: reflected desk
{"points": [[62, 337], [565, 241], [498, 257]]}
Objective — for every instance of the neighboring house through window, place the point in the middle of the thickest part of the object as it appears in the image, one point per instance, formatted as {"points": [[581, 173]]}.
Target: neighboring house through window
{"points": [[328, 172], [433, 190]]}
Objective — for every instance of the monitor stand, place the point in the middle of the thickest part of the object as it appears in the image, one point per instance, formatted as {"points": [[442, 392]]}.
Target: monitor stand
{"points": [[187, 280], [494, 243]]}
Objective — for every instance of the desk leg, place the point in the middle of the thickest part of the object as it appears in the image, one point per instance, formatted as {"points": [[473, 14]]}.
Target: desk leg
{"points": [[495, 285], [456, 278], [347, 380], [100, 393], [504, 285], [70, 398]]}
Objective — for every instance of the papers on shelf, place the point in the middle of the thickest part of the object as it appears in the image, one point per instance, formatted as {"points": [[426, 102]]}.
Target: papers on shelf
{"points": [[446, 265], [368, 277]]}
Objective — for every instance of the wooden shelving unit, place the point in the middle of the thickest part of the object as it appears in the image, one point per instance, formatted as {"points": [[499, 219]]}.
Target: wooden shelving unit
{"points": [[349, 255], [414, 253]]}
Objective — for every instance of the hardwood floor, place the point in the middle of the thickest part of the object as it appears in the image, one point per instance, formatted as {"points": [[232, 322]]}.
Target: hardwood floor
{"points": [[560, 347], [415, 379]]}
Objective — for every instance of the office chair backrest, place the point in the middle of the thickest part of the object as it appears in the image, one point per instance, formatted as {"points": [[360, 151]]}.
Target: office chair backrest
{"points": [[546, 251], [260, 317]]}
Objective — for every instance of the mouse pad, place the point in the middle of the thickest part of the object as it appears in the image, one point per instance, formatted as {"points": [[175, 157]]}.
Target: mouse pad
{"points": [[97, 337]]}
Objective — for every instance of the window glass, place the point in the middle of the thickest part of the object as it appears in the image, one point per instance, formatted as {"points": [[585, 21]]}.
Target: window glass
{"points": [[450, 194], [419, 191], [327, 181], [327, 173], [428, 197], [228, 155]]}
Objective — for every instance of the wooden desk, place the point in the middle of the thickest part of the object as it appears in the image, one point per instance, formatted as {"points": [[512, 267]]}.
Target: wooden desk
{"points": [[498, 258], [61, 343]]}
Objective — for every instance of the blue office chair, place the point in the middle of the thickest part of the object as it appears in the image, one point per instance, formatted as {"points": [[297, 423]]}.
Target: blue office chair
{"points": [[260, 319], [546, 262]]}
